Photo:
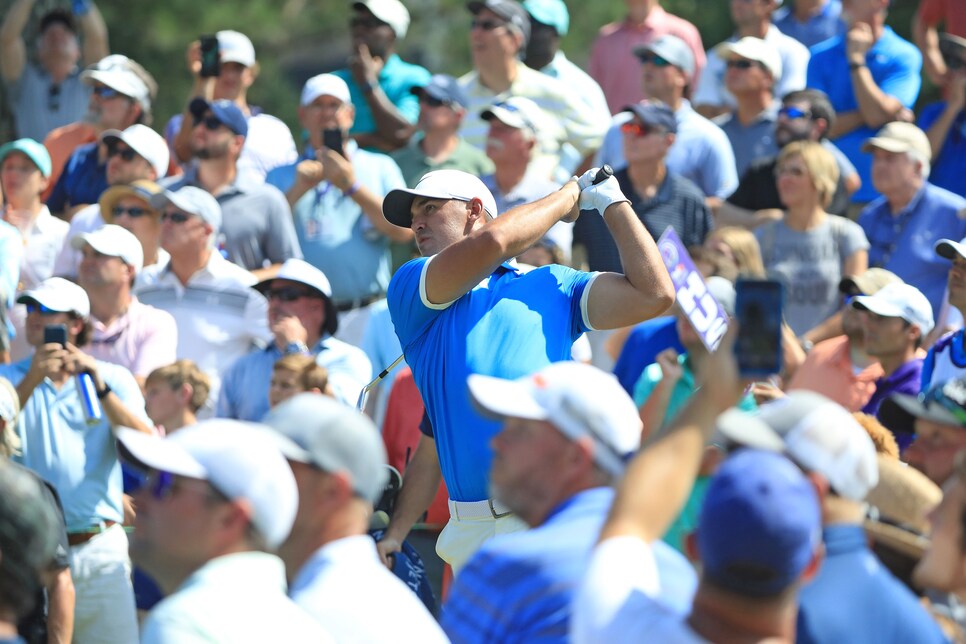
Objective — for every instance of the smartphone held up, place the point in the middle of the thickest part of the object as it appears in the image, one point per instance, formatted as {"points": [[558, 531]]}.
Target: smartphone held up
{"points": [[758, 309]]}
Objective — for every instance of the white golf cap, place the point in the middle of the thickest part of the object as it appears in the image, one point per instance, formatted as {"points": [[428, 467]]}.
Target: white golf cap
{"points": [[58, 294], [191, 200], [579, 400], [391, 12], [147, 143], [324, 85], [951, 249], [235, 47], [115, 71], [113, 241], [298, 270], [899, 300], [518, 112], [899, 136], [815, 432], [438, 184], [241, 460], [754, 49]]}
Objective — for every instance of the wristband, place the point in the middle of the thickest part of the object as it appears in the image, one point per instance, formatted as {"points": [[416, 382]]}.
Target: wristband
{"points": [[102, 393], [351, 190]]}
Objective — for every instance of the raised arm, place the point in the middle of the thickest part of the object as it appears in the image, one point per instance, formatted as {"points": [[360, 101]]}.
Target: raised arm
{"points": [[13, 51], [94, 32], [392, 128]]}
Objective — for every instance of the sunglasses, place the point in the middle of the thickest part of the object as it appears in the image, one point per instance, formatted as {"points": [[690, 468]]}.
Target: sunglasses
{"points": [[431, 101], [126, 154], [163, 485], [133, 211], [487, 25], [655, 60], [367, 23], [102, 91], [742, 64], [37, 307], [288, 294], [53, 97], [210, 122], [794, 113], [639, 129], [175, 217]]}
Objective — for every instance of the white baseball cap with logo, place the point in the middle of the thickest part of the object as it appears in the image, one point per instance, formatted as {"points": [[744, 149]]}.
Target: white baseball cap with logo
{"points": [[115, 71], [113, 241], [754, 49], [438, 184], [391, 12], [235, 47], [146, 142], [298, 270], [324, 85], [58, 294], [899, 300]]}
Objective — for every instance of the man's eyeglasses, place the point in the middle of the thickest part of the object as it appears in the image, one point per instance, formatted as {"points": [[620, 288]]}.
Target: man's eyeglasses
{"points": [[126, 154], [175, 217], [37, 307], [655, 60], [133, 211], [741, 64], [639, 129], [210, 122], [53, 97], [103, 91], [487, 25], [793, 113], [288, 294]]}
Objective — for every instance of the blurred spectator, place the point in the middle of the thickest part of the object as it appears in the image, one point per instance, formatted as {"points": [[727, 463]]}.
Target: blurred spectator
{"points": [[904, 224], [945, 122], [294, 374], [129, 206], [549, 22], [11, 252], [49, 93], [753, 71], [714, 95], [808, 250], [810, 21], [219, 498], [302, 319], [566, 429], [613, 63], [701, 151], [932, 13], [380, 82], [174, 394], [871, 75], [269, 143], [947, 357], [336, 576]]}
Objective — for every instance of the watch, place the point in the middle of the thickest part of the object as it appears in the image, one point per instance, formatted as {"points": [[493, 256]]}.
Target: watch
{"points": [[102, 393], [296, 347]]}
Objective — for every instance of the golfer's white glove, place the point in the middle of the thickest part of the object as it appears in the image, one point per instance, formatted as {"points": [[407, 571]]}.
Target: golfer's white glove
{"points": [[585, 180], [599, 197]]}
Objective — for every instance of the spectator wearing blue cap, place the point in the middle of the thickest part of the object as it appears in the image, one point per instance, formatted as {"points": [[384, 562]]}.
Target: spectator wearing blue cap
{"points": [[256, 231]]}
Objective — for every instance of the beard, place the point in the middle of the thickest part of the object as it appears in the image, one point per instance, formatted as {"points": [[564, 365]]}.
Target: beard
{"points": [[212, 151]]}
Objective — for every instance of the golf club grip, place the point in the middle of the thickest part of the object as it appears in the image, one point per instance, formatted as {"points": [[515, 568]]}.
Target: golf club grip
{"points": [[603, 174]]}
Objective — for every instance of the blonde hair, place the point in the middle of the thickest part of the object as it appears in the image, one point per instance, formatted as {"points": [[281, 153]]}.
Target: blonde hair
{"points": [[744, 246], [821, 165], [882, 438], [311, 375], [9, 438], [180, 373]]}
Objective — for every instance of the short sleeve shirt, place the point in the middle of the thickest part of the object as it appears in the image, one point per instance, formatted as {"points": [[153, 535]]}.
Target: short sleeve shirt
{"points": [[396, 79]]}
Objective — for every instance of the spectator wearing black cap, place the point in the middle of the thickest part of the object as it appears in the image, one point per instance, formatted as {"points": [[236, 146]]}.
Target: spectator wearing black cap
{"points": [[48, 94]]}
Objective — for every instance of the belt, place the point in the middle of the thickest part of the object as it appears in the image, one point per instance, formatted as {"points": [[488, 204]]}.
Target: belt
{"points": [[358, 303], [478, 509], [83, 536]]}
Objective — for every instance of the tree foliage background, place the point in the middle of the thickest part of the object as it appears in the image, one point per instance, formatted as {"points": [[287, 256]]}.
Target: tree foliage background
{"points": [[295, 39]]}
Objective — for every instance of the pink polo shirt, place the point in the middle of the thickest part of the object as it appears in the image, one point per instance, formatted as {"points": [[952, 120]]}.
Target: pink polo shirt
{"points": [[142, 339], [616, 69]]}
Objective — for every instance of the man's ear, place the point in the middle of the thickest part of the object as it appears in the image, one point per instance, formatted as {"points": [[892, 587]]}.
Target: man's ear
{"points": [[475, 209]]}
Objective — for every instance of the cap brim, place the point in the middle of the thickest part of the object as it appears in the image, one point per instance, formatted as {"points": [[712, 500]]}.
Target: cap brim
{"points": [[889, 145], [869, 303], [498, 398], [749, 431], [162, 199], [949, 249], [159, 454], [903, 541], [31, 296], [289, 448], [899, 412], [398, 204]]}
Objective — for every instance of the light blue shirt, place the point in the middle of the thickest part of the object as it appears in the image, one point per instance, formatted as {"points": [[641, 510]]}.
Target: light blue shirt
{"points": [[78, 459], [508, 326], [244, 386], [753, 141], [396, 79], [822, 26]]}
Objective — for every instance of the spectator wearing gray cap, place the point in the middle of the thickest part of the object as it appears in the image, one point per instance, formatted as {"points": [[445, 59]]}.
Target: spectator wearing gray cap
{"points": [[219, 317], [218, 500], [701, 151], [269, 143], [338, 460], [947, 357], [380, 82], [853, 592], [498, 34], [49, 93]]}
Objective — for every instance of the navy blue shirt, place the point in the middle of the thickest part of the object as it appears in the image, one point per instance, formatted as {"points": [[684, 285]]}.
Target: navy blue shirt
{"points": [[83, 180], [644, 342], [949, 168]]}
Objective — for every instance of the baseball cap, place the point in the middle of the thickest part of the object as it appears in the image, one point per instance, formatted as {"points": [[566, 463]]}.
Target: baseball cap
{"points": [[235, 47], [444, 88], [754, 49], [815, 432], [118, 72], [391, 12], [321, 431], [113, 241], [655, 114], [146, 142], [58, 294], [298, 270], [943, 403], [510, 10], [900, 137], [899, 300], [324, 85], [578, 399], [239, 459], [191, 200], [759, 525], [900, 503], [142, 189], [33, 150], [438, 184], [549, 12], [867, 283], [517, 112], [723, 291], [949, 249], [672, 49], [224, 110]]}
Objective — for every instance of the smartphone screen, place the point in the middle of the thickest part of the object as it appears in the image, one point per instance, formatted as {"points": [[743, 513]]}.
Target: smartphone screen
{"points": [[758, 309], [332, 139], [210, 56], [55, 333]]}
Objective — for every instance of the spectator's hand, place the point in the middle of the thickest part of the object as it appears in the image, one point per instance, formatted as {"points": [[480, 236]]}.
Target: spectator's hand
{"points": [[288, 329], [765, 392], [364, 67], [193, 56], [906, 115], [80, 362], [387, 548], [858, 41], [671, 369], [721, 379], [765, 215], [49, 360], [308, 173], [602, 196], [337, 170]]}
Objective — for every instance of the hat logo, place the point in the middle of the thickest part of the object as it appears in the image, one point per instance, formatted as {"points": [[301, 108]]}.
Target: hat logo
{"points": [[539, 381]]}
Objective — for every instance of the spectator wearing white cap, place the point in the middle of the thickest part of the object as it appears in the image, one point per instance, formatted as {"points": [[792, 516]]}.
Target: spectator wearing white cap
{"points": [[219, 317], [303, 319], [136, 336], [269, 143], [338, 460], [48, 93], [78, 456], [568, 430], [853, 595], [912, 215], [380, 82], [219, 498], [947, 357], [752, 20], [336, 198]]}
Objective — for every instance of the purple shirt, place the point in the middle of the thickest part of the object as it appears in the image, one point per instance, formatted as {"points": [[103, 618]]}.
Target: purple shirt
{"points": [[142, 339], [904, 380]]}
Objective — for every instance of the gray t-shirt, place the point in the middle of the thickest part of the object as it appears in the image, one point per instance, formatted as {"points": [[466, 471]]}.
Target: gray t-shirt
{"points": [[809, 264], [39, 105]]}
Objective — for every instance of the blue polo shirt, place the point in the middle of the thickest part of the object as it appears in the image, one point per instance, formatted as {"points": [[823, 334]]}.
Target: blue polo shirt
{"points": [[83, 180], [396, 79], [903, 243], [645, 341], [508, 326], [949, 168], [894, 64], [822, 26]]}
